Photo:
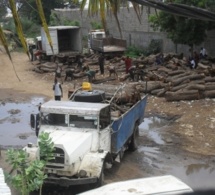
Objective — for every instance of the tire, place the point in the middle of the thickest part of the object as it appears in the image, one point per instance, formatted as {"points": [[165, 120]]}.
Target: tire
{"points": [[133, 144], [100, 180], [90, 96]]}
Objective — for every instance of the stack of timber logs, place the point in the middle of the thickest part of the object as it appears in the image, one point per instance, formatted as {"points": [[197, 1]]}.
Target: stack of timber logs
{"points": [[173, 79]]}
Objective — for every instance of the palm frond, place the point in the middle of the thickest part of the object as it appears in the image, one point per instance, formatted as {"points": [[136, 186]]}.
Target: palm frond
{"points": [[138, 10], [18, 26], [44, 23], [3, 41]]}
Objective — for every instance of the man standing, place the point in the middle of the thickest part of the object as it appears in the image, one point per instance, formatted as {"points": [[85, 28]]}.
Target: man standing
{"points": [[203, 54], [101, 63], [127, 64], [58, 92]]}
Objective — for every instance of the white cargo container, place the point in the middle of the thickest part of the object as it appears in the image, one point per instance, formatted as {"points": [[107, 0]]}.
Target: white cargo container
{"points": [[65, 39]]}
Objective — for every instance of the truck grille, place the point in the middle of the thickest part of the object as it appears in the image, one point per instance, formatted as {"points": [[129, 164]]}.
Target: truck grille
{"points": [[58, 156]]}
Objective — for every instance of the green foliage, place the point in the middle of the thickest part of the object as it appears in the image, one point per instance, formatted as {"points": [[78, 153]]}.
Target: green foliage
{"points": [[133, 52], [182, 30], [55, 21], [30, 29], [30, 174], [71, 23], [46, 147], [3, 12], [154, 47], [29, 9], [96, 25]]}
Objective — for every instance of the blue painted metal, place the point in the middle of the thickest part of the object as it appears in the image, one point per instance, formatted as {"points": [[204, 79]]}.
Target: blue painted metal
{"points": [[123, 127]]}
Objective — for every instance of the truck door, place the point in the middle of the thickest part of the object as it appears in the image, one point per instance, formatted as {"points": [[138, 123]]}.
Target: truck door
{"points": [[104, 129]]}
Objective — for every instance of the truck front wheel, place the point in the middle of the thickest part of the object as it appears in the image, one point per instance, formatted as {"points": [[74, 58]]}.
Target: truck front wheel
{"points": [[100, 180], [133, 143]]}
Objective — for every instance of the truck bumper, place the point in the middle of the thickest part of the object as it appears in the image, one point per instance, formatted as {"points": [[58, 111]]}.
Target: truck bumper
{"points": [[66, 182]]}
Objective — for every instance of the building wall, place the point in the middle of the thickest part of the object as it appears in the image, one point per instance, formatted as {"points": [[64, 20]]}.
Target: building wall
{"points": [[136, 33]]}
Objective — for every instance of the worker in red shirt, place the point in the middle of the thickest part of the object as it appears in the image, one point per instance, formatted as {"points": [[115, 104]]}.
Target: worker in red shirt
{"points": [[127, 64]]}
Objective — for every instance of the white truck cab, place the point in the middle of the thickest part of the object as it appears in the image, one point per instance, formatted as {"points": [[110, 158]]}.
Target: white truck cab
{"points": [[81, 135], [95, 34]]}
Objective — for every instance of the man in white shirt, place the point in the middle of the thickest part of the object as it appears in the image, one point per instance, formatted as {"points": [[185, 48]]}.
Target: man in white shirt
{"points": [[58, 91], [203, 53]]}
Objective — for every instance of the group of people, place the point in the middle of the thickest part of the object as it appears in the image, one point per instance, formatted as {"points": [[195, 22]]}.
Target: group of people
{"points": [[194, 57], [57, 88]]}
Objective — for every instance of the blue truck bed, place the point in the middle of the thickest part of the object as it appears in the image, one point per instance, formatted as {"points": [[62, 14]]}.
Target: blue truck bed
{"points": [[123, 126]]}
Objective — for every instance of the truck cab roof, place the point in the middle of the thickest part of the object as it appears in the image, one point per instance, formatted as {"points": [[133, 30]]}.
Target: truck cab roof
{"points": [[160, 185], [68, 107]]}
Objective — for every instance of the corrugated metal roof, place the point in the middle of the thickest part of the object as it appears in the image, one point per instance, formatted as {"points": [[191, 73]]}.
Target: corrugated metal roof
{"points": [[179, 9], [4, 189]]}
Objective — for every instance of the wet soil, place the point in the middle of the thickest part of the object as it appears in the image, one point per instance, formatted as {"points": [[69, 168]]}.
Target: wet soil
{"points": [[183, 145]]}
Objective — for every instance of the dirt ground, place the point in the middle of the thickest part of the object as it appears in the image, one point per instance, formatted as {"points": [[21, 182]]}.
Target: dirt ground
{"points": [[191, 133]]}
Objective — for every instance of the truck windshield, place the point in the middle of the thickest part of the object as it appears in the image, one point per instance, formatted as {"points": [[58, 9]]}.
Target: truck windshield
{"points": [[89, 122], [53, 119], [64, 120]]}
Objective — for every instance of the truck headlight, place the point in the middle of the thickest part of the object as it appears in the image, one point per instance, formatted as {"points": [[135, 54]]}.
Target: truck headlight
{"points": [[82, 173]]}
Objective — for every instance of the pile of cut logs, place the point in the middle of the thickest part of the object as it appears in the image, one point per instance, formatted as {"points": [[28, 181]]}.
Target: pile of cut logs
{"points": [[173, 80]]}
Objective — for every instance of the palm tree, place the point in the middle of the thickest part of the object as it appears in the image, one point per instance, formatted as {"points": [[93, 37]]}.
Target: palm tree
{"points": [[103, 7]]}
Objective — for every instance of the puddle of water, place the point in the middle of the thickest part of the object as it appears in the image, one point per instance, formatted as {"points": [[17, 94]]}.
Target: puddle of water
{"points": [[151, 127], [149, 153], [197, 176], [15, 127]]}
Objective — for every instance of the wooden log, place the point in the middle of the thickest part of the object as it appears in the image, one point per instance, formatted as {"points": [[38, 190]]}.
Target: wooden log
{"points": [[185, 95], [124, 77], [170, 79], [159, 77], [209, 79], [176, 72], [151, 85], [79, 75], [172, 66], [98, 81], [209, 94], [174, 89], [195, 86], [47, 69], [118, 108], [200, 65], [209, 87], [190, 77], [37, 70], [162, 93], [197, 82], [164, 69], [158, 92]]}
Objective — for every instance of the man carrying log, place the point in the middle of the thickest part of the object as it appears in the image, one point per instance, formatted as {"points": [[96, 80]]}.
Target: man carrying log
{"points": [[91, 74]]}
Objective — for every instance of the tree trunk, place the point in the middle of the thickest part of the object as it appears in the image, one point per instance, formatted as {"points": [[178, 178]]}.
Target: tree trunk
{"points": [[182, 95]]}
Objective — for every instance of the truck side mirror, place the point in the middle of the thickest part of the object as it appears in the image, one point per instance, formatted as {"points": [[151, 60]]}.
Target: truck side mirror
{"points": [[34, 119]]}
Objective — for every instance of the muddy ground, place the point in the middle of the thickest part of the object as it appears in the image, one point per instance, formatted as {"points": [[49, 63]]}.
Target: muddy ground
{"points": [[188, 138]]}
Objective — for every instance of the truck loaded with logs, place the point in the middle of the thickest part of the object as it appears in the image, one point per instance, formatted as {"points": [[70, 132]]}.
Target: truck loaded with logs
{"points": [[88, 131]]}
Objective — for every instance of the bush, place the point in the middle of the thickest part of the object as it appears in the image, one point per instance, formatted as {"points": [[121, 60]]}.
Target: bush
{"points": [[154, 47]]}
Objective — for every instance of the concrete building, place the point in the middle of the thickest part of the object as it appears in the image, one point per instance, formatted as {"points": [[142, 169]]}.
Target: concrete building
{"points": [[137, 34]]}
